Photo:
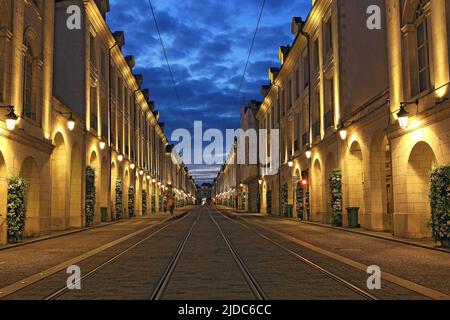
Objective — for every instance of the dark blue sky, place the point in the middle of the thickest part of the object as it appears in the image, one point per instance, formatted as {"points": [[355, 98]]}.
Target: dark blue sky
{"points": [[207, 43]]}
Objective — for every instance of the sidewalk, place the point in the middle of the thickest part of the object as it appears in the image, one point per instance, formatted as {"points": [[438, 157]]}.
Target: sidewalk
{"points": [[423, 243], [57, 234]]}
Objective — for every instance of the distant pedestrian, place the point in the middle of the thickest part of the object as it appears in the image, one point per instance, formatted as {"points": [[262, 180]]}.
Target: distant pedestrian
{"points": [[171, 205]]}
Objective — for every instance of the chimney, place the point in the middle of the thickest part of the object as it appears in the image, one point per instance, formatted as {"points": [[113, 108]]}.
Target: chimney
{"points": [[283, 53], [119, 36], [131, 62], [265, 89], [146, 93], [139, 79]]}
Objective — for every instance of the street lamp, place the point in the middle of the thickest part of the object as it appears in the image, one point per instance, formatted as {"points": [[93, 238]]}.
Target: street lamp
{"points": [[120, 157], [308, 152], [71, 123], [102, 145], [342, 131], [403, 116], [132, 166], [141, 172], [290, 163], [11, 118], [149, 177], [153, 180]]}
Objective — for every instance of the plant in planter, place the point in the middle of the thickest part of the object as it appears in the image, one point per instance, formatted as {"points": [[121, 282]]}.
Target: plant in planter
{"points": [[131, 194], [336, 197], [440, 204], [16, 215], [119, 201], [144, 202], [90, 195]]}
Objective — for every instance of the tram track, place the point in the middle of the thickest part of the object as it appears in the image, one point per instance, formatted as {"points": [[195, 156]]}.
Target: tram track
{"points": [[41, 277], [364, 294]]}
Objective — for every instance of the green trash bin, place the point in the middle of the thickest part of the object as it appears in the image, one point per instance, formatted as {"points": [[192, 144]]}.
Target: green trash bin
{"points": [[104, 212], [352, 216]]}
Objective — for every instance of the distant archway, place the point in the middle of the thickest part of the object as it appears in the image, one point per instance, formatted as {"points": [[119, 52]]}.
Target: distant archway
{"points": [[126, 186], [380, 204], [421, 161], [330, 165], [76, 188], [355, 178], [94, 163], [59, 178], [113, 187], [29, 171], [105, 183], [317, 193]]}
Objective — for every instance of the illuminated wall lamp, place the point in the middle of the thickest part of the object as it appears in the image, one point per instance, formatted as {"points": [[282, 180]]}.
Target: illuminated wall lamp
{"points": [[102, 145], [11, 118], [132, 166], [308, 152], [71, 123], [342, 131], [120, 157], [290, 163], [403, 117], [141, 172]]}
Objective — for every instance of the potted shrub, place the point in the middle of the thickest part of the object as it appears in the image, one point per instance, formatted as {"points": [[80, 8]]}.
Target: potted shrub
{"points": [[16, 215], [131, 194], [90, 195], [440, 204], [119, 201], [336, 197]]}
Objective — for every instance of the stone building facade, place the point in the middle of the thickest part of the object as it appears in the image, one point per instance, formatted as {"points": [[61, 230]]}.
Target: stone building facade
{"points": [[79, 105], [337, 100]]}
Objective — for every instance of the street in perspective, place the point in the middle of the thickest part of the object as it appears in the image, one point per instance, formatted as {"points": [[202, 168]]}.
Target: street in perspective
{"points": [[224, 156]]}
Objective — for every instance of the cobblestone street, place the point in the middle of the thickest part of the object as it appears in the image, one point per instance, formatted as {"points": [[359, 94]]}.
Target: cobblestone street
{"points": [[205, 253]]}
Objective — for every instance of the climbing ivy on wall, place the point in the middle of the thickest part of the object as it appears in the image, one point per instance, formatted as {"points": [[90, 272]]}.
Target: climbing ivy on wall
{"points": [[131, 195], [90, 195], [440, 203], [17, 208], [336, 197], [119, 198]]}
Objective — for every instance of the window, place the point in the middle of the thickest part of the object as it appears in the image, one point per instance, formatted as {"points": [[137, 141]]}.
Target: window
{"points": [[423, 67], [297, 83], [305, 72], [92, 49], [328, 29], [94, 117], [104, 65], [305, 127], [329, 103], [120, 93], [290, 93], [29, 107], [316, 114], [316, 54]]}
